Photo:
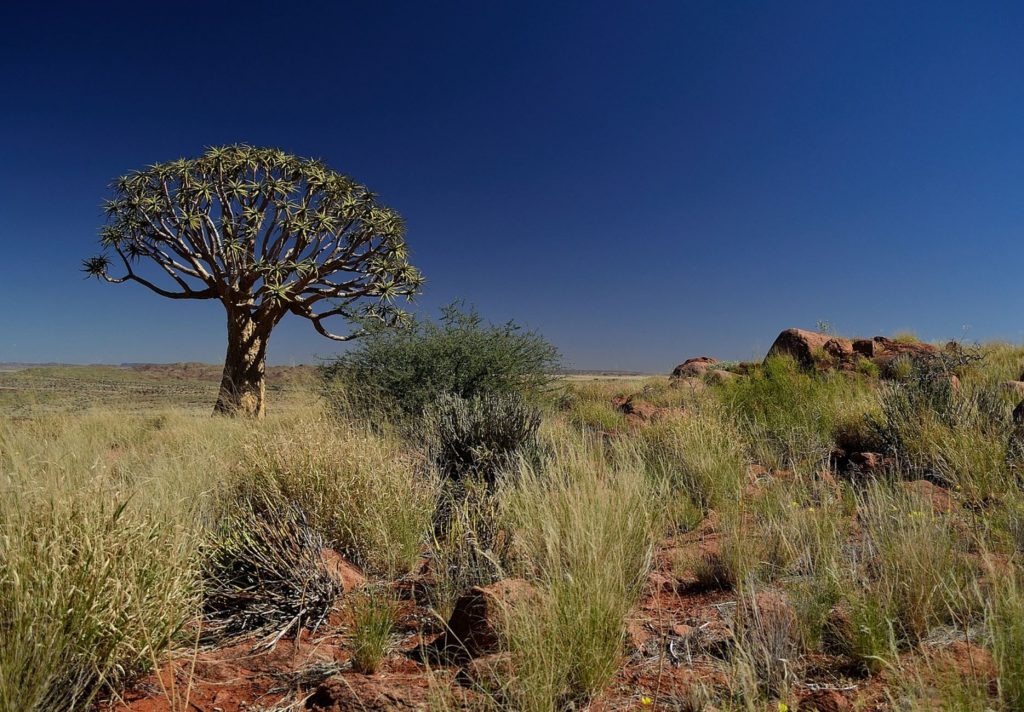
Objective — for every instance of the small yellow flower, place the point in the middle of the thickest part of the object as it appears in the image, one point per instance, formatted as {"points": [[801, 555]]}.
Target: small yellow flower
{"points": [[783, 707], [646, 701]]}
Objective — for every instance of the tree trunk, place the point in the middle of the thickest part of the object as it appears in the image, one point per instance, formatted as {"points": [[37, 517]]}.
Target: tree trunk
{"points": [[243, 385]]}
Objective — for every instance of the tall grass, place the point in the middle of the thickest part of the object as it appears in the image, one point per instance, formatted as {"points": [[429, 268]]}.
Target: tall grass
{"points": [[585, 526], [1005, 617], [791, 416], [700, 455], [100, 525], [369, 494]]}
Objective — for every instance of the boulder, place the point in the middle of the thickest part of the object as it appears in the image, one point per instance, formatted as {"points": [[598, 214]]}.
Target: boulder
{"points": [[696, 384], [867, 461], [838, 349], [803, 345], [931, 494], [638, 411], [479, 614], [824, 701], [719, 376], [694, 367]]}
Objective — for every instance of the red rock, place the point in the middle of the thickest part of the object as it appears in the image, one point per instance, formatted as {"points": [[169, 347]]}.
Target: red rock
{"points": [[803, 345], [936, 497], [343, 571], [693, 367], [913, 348], [474, 627], [866, 460], [887, 351], [838, 348], [638, 410], [694, 383]]}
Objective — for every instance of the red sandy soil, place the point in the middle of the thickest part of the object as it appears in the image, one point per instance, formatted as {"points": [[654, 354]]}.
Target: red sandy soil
{"points": [[678, 636]]}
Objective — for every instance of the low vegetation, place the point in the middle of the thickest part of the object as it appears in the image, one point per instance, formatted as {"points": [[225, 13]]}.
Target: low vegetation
{"points": [[757, 540]]}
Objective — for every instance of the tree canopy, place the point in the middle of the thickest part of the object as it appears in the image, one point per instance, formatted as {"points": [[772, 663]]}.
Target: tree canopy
{"points": [[258, 229]]}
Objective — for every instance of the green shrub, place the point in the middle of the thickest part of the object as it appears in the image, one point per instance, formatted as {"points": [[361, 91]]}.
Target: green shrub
{"points": [[914, 567], [90, 594], [868, 368], [867, 635], [399, 373], [470, 546]]}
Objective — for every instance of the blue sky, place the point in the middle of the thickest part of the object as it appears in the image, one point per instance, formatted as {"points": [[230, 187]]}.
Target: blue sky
{"points": [[641, 182]]}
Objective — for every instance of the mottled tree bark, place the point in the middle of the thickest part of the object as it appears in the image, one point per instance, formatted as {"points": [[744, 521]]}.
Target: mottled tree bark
{"points": [[243, 385]]}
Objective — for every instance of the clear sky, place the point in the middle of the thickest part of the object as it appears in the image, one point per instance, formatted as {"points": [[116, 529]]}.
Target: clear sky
{"points": [[642, 182]]}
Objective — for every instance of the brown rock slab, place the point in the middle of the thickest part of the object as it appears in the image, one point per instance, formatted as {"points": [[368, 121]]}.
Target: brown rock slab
{"points": [[694, 367]]}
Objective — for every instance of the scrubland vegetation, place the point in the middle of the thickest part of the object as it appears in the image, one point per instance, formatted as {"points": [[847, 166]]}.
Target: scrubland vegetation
{"points": [[784, 538]]}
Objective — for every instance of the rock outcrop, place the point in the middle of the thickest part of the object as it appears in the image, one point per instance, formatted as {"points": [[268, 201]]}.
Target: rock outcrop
{"points": [[812, 349]]}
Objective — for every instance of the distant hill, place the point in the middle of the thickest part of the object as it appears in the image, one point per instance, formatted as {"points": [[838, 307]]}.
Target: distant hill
{"points": [[185, 371]]}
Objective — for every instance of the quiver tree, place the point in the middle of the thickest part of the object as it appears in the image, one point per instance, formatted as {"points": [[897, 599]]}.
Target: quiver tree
{"points": [[267, 234]]}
